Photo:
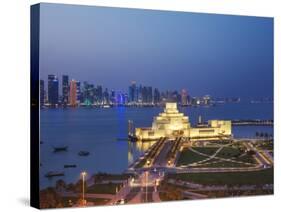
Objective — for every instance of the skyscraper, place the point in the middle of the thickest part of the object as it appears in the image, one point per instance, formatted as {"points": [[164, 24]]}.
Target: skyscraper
{"points": [[132, 92], [112, 97], [149, 95], [99, 94], [53, 90], [78, 91], [65, 90], [73, 93], [42, 93], [156, 96], [144, 94], [87, 93], [106, 97], [140, 98], [184, 96]]}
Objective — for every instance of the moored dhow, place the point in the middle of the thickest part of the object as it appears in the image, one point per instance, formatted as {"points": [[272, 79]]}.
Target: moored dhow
{"points": [[172, 124]]}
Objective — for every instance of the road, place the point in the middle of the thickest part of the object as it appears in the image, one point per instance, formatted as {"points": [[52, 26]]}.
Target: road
{"points": [[87, 195], [161, 158], [261, 158]]}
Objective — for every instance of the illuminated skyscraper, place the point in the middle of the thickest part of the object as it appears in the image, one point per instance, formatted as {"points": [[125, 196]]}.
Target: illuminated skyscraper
{"points": [[53, 90], [133, 92], [156, 96], [184, 99], [106, 97], [112, 97], [78, 91], [73, 93], [65, 89], [140, 99], [144, 94], [99, 94], [149, 95]]}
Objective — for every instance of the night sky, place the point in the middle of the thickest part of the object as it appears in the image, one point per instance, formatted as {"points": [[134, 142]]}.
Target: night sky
{"points": [[206, 54]]}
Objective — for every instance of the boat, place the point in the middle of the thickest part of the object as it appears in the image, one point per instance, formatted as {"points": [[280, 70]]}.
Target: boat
{"points": [[54, 174], [60, 149], [83, 153], [69, 166]]}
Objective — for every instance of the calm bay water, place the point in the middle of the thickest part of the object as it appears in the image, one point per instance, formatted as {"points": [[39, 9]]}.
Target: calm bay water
{"points": [[102, 132]]}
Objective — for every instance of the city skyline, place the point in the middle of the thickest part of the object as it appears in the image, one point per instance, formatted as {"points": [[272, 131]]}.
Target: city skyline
{"points": [[63, 88], [202, 52], [74, 93]]}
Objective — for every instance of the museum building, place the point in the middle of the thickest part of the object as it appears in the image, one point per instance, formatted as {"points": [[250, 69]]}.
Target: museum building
{"points": [[171, 124]]}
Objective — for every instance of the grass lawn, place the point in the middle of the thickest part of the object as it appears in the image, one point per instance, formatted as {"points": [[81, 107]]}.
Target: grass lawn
{"points": [[229, 152], [187, 157], [223, 164], [206, 150], [246, 158], [267, 145], [141, 163], [228, 178], [109, 188]]}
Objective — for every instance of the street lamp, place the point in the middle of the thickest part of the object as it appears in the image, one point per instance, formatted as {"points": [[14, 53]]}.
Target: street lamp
{"points": [[83, 186]]}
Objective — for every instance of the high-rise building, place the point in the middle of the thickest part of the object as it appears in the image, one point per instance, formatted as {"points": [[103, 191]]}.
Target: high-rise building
{"points": [[184, 95], [188, 99], [156, 96], [65, 89], [53, 90], [88, 93], [112, 97], [78, 91], [149, 95], [140, 99], [144, 94], [133, 92], [42, 93], [73, 93], [99, 94], [120, 98], [106, 97]]}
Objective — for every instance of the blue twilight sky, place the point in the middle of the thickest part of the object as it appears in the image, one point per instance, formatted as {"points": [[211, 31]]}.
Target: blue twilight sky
{"points": [[218, 55]]}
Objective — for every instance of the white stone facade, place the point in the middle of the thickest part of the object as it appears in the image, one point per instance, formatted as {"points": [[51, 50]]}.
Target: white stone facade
{"points": [[171, 123]]}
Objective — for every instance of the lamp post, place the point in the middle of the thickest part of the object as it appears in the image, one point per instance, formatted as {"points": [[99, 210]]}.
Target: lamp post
{"points": [[83, 186]]}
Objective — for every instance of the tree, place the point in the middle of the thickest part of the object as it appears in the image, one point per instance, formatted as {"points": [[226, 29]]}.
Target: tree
{"points": [[60, 185], [50, 199]]}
